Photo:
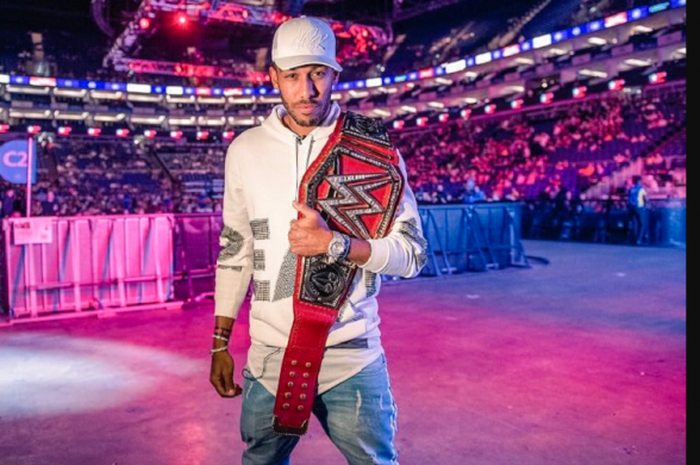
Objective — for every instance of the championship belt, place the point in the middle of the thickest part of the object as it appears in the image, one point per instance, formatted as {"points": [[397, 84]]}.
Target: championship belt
{"points": [[357, 185]]}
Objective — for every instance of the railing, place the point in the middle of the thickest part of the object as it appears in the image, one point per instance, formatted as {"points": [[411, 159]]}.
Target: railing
{"points": [[56, 268]]}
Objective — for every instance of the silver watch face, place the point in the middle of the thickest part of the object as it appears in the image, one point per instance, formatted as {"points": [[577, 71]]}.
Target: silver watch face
{"points": [[337, 247]]}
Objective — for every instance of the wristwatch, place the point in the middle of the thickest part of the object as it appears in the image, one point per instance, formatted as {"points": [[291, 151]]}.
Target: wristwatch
{"points": [[339, 247]]}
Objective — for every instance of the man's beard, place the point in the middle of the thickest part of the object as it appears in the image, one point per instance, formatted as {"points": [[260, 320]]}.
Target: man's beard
{"points": [[313, 122]]}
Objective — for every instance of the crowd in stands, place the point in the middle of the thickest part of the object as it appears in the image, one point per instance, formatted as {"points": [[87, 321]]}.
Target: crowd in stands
{"points": [[103, 178], [523, 157], [527, 157]]}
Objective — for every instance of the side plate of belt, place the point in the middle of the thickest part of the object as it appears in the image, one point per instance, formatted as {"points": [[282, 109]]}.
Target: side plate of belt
{"points": [[356, 185]]}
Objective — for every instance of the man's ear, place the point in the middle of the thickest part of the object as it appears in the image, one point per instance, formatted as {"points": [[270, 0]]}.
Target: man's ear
{"points": [[274, 77]]}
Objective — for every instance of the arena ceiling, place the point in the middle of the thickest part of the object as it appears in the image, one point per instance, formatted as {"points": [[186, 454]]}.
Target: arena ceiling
{"points": [[50, 14]]}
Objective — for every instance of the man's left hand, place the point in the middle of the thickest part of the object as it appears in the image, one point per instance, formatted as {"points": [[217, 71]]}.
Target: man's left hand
{"points": [[309, 236]]}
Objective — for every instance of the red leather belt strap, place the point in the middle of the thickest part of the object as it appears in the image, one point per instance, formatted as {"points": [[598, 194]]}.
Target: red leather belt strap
{"points": [[356, 184]]}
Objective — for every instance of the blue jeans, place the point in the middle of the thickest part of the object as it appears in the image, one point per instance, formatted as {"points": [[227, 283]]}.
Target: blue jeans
{"points": [[358, 415]]}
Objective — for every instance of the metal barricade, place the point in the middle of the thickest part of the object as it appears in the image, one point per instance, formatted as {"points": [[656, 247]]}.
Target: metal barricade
{"points": [[55, 267]]}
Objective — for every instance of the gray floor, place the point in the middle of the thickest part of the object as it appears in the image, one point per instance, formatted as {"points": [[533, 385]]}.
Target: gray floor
{"points": [[579, 362]]}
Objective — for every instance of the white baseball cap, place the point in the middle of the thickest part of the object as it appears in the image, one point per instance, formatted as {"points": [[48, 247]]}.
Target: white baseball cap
{"points": [[304, 41]]}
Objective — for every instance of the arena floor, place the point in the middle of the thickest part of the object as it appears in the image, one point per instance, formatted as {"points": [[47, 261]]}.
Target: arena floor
{"points": [[579, 362]]}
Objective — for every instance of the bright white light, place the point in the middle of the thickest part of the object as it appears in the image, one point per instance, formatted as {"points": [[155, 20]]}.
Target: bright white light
{"points": [[597, 41], [638, 63], [483, 58], [542, 41], [593, 73], [138, 88], [456, 66], [51, 374]]}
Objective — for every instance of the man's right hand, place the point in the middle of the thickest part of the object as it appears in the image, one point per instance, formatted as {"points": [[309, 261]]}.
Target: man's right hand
{"points": [[221, 378]]}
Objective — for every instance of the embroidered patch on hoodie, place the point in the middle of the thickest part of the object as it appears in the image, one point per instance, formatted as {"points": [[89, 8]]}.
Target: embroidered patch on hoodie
{"points": [[231, 242], [286, 279], [259, 260], [371, 283], [409, 229], [261, 229], [261, 291]]}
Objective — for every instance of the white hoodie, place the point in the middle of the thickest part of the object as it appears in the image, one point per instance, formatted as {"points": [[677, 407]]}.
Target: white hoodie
{"points": [[264, 166]]}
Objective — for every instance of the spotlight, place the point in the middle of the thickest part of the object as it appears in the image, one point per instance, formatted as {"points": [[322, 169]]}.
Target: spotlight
{"points": [[547, 98], [658, 78], [616, 85], [65, 131], [145, 23], [580, 92], [182, 19]]}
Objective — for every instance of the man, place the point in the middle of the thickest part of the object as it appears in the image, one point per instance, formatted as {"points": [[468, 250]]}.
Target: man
{"points": [[293, 185], [473, 193], [9, 203], [49, 205], [637, 205]]}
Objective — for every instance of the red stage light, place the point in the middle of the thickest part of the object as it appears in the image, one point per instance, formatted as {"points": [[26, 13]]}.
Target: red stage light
{"points": [[122, 133], [94, 132], [422, 121], [617, 85], [4, 128], [229, 135], [33, 130], [177, 135], [399, 124], [580, 92], [202, 135], [150, 133], [490, 109], [517, 104], [658, 78], [466, 113], [144, 23], [547, 98], [182, 19], [444, 117], [65, 130]]}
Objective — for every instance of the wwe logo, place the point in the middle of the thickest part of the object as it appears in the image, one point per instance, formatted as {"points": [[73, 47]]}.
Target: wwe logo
{"points": [[355, 200]]}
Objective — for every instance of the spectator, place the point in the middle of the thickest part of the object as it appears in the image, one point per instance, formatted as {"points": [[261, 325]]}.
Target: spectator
{"points": [[639, 214], [10, 204], [49, 206], [473, 193]]}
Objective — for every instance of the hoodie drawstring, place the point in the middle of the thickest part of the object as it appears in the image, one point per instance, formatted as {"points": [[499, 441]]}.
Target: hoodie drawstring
{"points": [[299, 141]]}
